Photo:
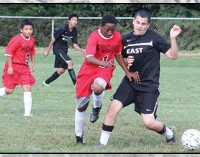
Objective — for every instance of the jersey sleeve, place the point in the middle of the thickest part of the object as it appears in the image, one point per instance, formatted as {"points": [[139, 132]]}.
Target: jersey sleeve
{"points": [[12, 46], [119, 45], [74, 39], [161, 44], [58, 33], [123, 50], [91, 45]]}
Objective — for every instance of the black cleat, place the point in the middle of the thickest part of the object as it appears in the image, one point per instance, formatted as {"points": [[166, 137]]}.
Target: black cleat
{"points": [[171, 140], [94, 116], [80, 140]]}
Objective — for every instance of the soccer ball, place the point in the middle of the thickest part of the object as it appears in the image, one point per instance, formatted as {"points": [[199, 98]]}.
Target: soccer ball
{"points": [[191, 139]]}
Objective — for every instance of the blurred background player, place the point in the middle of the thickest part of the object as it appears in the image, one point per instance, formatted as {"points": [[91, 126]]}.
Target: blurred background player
{"points": [[60, 49], [103, 45], [145, 46], [20, 51]]}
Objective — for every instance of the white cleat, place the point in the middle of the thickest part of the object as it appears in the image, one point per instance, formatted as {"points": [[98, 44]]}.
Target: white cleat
{"points": [[45, 84], [28, 115]]}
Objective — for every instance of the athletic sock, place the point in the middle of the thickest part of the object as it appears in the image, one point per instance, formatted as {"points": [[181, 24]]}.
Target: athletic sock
{"points": [[2, 91], [167, 132], [72, 75], [27, 103], [52, 78], [79, 122], [105, 134], [97, 99]]}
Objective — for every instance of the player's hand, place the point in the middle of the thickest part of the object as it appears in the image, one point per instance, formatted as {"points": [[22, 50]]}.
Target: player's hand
{"points": [[109, 64], [46, 53], [130, 60], [10, 71], [133, 76], [175, 31], [32, 68]]}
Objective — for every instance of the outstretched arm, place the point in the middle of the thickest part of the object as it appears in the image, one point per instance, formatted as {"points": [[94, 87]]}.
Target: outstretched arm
{"points": [[77, 47], [173, 52], [46, 53]]}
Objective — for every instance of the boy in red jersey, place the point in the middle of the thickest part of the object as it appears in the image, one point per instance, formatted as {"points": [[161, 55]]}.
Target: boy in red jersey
{"points": [[20, 51], [103, 45]]}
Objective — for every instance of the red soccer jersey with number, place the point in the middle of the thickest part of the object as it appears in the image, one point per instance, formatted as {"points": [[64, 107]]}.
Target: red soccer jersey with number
{"points": [[20, 49]]}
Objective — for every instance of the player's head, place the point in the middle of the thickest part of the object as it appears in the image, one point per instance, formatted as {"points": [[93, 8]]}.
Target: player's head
{"points": [[26, 28], [108, 25], [73, 19], [141, 22]]}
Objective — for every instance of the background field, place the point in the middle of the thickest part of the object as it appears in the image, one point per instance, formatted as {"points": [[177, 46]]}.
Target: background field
{"points": [[52, 128]]}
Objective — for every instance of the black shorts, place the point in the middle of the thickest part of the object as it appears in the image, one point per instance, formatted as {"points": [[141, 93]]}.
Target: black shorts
{"points": [[145, 102], [61, 60]]}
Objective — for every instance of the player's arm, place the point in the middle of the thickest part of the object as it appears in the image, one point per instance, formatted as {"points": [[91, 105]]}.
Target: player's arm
{"points": [[172, 52], [33, 63], [10, 67], [46, 53], [94, 60], [78, 48], [135, 76]]}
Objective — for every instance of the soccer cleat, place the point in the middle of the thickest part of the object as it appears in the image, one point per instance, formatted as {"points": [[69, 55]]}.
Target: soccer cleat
{"points": [[94, 116], [171, 140], [80, 140], [28, 115], [99, 145], [45, 84]]}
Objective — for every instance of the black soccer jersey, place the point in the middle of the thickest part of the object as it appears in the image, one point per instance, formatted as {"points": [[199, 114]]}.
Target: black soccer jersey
{"points": [[62, 37], [146, 51]]}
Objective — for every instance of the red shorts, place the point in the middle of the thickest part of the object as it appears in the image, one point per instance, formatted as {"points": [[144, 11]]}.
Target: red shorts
{"points": [[21, 76], [86, 77]]}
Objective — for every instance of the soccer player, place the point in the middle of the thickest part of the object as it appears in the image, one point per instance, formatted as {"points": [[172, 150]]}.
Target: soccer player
{"points": [[103, 45], [60, 49], [20, 51], [145, 46]]}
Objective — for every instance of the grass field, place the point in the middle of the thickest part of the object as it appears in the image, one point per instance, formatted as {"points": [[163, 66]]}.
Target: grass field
{"points": [[52, 128]]}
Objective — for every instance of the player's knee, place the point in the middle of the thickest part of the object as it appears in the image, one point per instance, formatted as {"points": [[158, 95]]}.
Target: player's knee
{"points": [[9, 91], [82, 108], [61, 71], [99, 85], [70, 64], [148, 122]]}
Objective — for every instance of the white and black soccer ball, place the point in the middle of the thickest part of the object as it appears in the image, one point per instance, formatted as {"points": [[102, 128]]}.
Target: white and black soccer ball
{"points": [[191, 139]]}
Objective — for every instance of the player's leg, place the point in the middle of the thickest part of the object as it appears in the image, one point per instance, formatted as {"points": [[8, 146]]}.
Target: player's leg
{"points": [[80, 114], [71, 71], [27, 100], [60, 65], [98, 88], [149, 105], [122, 98]]}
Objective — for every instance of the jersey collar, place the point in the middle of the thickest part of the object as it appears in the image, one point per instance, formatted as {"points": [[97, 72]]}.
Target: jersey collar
{"points": [[99, 31], [25, 38]]}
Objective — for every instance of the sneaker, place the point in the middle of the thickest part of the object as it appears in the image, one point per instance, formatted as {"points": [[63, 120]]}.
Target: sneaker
{"points": [[171, 140], [28, 115], [99, 145], [80, 140], [45, 84], [94, 116]]}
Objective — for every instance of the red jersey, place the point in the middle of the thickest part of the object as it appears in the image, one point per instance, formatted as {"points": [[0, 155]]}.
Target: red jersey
{"points": [[20, 49], [103, 48]]}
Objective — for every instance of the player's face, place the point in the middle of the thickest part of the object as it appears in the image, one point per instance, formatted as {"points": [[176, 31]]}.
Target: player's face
{"points": [[108, 29], [140, 25], [73, 22], [27, 31]]}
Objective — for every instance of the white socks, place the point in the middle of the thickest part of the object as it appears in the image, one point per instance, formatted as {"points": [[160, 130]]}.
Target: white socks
{"points": [[97, 99], [27, 103], [105, 135], [79, 122], [2, 91], [168, 133]]}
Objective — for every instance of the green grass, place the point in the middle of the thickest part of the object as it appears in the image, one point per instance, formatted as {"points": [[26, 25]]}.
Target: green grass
{"points": [[52, 128]]}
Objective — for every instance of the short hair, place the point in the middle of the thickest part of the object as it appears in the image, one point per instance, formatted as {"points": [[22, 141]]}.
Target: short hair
{"points": [[108, 19], [26, 22], [144, 14], [72, 15]]}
